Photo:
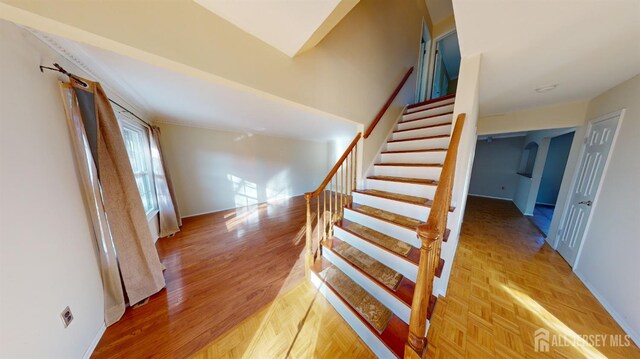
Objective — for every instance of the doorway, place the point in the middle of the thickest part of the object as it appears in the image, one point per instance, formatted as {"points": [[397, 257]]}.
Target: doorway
{"points": [[423, 64], [583, 197], [446, 66], [552, 174]]}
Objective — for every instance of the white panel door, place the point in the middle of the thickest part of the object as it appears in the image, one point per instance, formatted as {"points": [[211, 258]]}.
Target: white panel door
{"points": [[587, 183]]}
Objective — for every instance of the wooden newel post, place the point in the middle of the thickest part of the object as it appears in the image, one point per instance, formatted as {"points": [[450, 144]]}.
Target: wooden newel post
{"points": [[417, 341], [308, 252]]}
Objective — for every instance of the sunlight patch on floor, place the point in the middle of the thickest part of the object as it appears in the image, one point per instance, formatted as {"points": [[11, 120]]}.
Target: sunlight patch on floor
{"points": [[555, 325]]}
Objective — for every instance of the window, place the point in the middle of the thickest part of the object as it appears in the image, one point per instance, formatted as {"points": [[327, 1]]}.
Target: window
{"points": [[136, 140]]}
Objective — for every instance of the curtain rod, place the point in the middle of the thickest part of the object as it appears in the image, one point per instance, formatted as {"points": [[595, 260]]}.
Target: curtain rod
{"points": [[60, 69]]}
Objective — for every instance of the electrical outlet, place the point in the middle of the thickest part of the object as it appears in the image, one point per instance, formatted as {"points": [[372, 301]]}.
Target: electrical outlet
{"points": [[67, 316]]}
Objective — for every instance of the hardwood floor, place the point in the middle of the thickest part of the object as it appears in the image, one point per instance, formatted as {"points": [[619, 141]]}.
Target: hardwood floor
{"points": [[221, 268], [506, 282]]}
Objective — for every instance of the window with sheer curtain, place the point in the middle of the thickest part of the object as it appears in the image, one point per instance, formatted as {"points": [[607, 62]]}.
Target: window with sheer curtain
{"points": [[136, 140]]}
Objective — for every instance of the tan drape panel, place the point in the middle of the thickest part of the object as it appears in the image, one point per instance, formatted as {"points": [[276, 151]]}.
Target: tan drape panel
{"points": [[137, 256], [168, 213], [114, 304]]}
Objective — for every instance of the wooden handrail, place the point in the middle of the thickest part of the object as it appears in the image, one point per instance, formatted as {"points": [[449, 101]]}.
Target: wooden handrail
{"points": [[387, 104], [335, 168], [431, 234]]}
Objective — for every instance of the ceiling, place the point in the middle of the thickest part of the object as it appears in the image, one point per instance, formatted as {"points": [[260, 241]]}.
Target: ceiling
{"points": [[170, 97], [284, 24], [586, 47], [439, 10]]}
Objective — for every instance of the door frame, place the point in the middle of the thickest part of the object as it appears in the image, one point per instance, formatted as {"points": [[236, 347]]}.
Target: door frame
{"points": [[432, 60], [423, 64], [574, 178]]}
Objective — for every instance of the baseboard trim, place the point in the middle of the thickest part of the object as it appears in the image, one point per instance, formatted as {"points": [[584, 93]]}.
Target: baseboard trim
{"points": [[230, 208], [95, 341], [492, 197], [635, 337]]}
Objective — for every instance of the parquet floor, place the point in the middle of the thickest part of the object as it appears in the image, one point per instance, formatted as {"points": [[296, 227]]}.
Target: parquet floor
{"points": [[273, 331], [505, 284]]}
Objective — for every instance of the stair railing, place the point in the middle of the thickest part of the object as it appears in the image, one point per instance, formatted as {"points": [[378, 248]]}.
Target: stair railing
{"points": [[431, 235], [333, 194]]}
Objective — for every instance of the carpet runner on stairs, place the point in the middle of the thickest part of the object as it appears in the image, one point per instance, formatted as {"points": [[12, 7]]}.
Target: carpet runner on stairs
{"points": [[377, 270], [381, 239], [364, 303]]}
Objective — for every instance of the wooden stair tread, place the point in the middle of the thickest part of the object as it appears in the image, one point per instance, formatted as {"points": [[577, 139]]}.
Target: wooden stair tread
{"points": [[406, 287], [432, 108], [424, 127], [420, 201], [395, 196], [396, 332], [416, 151], [390, 217], [426, 117], [404, 290], [433, 100], [405, 180], [381, 240], [400, 220], [418, 138], [409, 164]]}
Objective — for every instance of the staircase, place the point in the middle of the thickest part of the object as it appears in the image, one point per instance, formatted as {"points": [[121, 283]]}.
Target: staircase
{"points": [[370, 252]]}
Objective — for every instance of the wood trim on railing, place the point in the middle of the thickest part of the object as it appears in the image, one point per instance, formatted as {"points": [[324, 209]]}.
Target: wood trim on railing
{"points": [[335, 168], [387, 104]]}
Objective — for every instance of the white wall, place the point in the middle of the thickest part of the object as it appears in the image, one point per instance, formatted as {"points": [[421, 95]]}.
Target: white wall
{"points": [[466, 102], [47, 249], [608, 261], [215, 170], [495, 166], [569, 114]]}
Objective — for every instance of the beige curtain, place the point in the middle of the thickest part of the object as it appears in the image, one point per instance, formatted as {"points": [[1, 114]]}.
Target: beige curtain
{"points": [[169, 215], [138, 260], [114, 303]]}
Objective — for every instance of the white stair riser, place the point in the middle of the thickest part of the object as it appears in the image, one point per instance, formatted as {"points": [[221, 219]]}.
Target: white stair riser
{"points": [[394, 304], [393, 261], [425, 122], [431, 105], [427, 113], [423, 132], [398, 232], [411, 189], [363, 331], [432, 173], [414, 157], [406, 209], [427, 144]]}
